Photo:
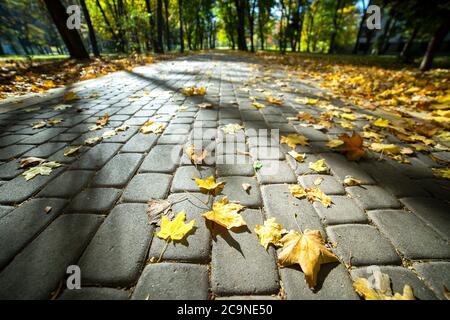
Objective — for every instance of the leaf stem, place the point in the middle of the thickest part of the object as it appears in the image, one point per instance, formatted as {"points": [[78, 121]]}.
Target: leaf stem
{"points": [[163, 250]]}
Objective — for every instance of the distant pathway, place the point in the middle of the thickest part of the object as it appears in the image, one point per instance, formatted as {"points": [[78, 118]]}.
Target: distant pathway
{"points": [[397, 220]]}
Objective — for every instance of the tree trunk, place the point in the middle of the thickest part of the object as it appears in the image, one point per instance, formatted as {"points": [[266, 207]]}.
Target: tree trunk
{"points": [[166, 11], [71, 37], [2, 52], [251, 22], [434, 45], [405, 51], [361, 26], [240, 8], [91, 29], [111, 30], [335, 28], [159, 27], [151, 23], [180, 9], [261, 24]]}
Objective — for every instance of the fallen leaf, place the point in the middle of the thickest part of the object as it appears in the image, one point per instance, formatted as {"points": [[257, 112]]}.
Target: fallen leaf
{"points": [[204, 105], [47, 209], [53, 121], [318, 181], [109, 134], [232, 128], [346, 124], [246, 187], [307, 117], [297, 191], [152, 127], [294, 139], [352, 146], [158, 208], [385, 148], [103, 120], [194, 91], [349, 181], [196, 156], [258, 105], [312, 194], [382, 123], [363, 287], [274, 100], [176, 229], [92, 141], [257, 165], [307, 250], [334, 143], [183, 108], [270, 233], [319, 166], [72, 151], [442, 173], [446, 293], [38, 124], [226, 214], [70, 96], [30, 162], [43, 169], [297, 156], [209, 185], [122, 128]]}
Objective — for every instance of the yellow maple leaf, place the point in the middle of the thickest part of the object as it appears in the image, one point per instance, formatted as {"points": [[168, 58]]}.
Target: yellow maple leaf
{"points": [[364, 289], [53, 121], [443, 173], [297, 191], [382, 123], [152, 127], [226, 214], [346, 124], [297, 156], [209, 185], [70, 96], [38, 124], [349, 181], [385, 148], [294, 139], [274, 100], [103, 120], [334, 143], [232, 128], [71, 151], [176, 229], [194, 91], [352, 146], [319, 166], [307, 250], [312, 194], [258, 105], [348, 116], [269, 233], [196, 156]]}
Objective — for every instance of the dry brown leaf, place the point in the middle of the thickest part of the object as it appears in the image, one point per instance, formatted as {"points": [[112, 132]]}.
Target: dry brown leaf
{"points": [[196, 156], [158, 208]]}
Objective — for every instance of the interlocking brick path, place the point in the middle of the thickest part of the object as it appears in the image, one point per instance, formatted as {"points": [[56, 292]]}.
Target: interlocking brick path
{"points": [[398, 220]]}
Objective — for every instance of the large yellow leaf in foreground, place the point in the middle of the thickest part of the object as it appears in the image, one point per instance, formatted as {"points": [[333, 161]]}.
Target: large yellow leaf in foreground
{"points": [[293, 139], [226, 214], [306, 249], [176, 229]]}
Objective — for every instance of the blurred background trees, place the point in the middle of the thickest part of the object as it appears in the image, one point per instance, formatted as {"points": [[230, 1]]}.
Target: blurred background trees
{"points": [[410, 28]]}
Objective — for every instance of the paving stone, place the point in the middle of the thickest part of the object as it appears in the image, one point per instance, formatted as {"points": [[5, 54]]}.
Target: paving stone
{"points": [[233, 190], [416, 169], [162, 158], [361, 245], [435, 213], [118, 171], [184, 179], [438, 188], [197, 246], [67, 185], [172, 139], [95, 200], [32, 219], [341, 167], [311, 133], [435, 274], [178, 129], [172, 281], [275, 172], [343, 210], [266, 153], [14, 151], [65, 137], [333, 283], [235, 167], [253, 269], [43, 136], [399, 278], [48, 256], [393, 180], [10, 170], [373, 197], [18, 189], [4, 210], [140, 143], [302, 168], [329, 184], [45, 150], [288, 210], [94, 293], [97, 156], [11, 139], [117, 253], [122, 136], [146, 186], [410, 235]]}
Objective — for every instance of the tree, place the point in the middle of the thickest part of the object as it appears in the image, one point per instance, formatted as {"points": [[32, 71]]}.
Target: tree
{"points": [[180, 12], [251, 6], [166, 11], [90, 28], [361, 26], [70, 36], [159, 27], [335, 26], [434, 45], [240, 8]]}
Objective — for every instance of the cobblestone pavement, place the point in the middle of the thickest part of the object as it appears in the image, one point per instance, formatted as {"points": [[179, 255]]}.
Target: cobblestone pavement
{"points": [[398, 220]]}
